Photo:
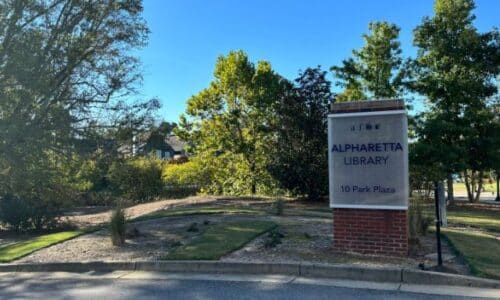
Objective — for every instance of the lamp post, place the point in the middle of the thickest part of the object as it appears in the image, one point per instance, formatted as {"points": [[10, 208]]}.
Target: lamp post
{"points": [[438, 225], [498, 177]]}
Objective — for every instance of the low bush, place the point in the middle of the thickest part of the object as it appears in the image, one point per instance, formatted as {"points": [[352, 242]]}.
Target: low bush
{"points": [[183, 179], [101, 198], [419, 222], [273, 238], [193, 227], [27, 214], [188, 173], [132, 233], [279, 206], [137, 179], [225, 173], [180, 191], [118, 226]]}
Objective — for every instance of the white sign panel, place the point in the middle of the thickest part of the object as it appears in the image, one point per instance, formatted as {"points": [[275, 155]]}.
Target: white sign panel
{"points": [[368, 160]]}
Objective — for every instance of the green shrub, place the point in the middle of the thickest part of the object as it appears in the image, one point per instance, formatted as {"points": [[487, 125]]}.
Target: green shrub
{"points": [[230, 174], [279, 206], [188, 173], [183, 179], [33, 192], [118, 226], [137, 179], [193, 227], [418, 222], [425, 222], [273, 238], [14, 212], [101, 198], [25, 214]]}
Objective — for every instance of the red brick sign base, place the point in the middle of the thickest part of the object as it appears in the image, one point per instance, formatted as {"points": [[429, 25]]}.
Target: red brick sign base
{"points": [[369, 231]]}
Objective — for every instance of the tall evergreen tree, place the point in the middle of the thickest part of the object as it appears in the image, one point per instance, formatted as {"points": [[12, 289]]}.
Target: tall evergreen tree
{"points": [[375, 70]]}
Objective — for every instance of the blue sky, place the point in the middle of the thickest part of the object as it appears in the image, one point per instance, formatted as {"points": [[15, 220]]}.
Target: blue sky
{"points": [[187, 36]]}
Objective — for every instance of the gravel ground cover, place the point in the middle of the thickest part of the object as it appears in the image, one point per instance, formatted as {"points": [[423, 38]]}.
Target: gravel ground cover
{"points": [[306, 236], [150, 240], [85, 217]]}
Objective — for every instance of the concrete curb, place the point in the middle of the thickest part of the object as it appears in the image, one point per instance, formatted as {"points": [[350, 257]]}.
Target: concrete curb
{"points": [[436, 278], [346, 272]]}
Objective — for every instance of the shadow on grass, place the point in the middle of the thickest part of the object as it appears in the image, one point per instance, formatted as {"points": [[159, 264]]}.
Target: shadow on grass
{"points": [[479, 250]]}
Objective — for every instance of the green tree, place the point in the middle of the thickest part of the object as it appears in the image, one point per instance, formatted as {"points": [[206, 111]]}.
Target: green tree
{"points": [[455, 69], [429, 152], [299, 159], [65, 68], [375, 71], [229, 122]]}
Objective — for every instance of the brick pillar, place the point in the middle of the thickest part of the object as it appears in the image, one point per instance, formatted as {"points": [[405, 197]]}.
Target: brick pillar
{"points": [[370, 231]]}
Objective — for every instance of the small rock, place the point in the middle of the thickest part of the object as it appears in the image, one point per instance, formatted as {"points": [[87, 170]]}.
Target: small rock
{"points": [[193, 227], [445, 257], [132, 233]]}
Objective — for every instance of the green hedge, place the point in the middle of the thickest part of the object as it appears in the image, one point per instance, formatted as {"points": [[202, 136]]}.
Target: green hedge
{"points": [[138, 179]]}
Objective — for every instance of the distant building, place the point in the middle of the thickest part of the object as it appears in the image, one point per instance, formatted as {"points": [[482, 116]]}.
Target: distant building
{"points": [[170, 147], [176, 147]]}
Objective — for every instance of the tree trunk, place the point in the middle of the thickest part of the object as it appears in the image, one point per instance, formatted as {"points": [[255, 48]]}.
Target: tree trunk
{"points": [[471, 182], [479, 187], [254, 185], [449, 181], [312, 191], [467, 186]]}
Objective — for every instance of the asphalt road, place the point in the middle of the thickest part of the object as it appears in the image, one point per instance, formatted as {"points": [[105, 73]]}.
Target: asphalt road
{"points": [[160, 286]]}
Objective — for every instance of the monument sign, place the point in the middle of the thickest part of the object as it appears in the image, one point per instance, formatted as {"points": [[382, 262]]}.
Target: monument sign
{"points": [[368, 160], [368, 176]]}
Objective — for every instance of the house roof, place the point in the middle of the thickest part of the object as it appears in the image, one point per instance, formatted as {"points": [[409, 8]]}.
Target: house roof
{"points": [[173, 141]]}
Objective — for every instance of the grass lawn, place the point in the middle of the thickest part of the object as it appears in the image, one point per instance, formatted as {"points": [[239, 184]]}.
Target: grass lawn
{"points": [[461, 216], [488, 187], [480, 251], [17, 250], [198, 211], [220, 239], [483, 219], [477, 245]]}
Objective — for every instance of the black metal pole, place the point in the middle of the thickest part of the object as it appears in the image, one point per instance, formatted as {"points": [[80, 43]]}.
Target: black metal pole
{"points": [[498, 177], [438, 225]]}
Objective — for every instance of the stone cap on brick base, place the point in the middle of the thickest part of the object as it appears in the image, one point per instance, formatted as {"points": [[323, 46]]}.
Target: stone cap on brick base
{"points": [[367, 105]]}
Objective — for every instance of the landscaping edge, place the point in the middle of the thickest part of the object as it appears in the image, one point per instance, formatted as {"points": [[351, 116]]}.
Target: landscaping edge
{"points": [[346, 272]]}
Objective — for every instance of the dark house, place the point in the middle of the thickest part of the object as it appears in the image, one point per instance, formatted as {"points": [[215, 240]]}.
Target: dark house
{"points": [[170, 147]]}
